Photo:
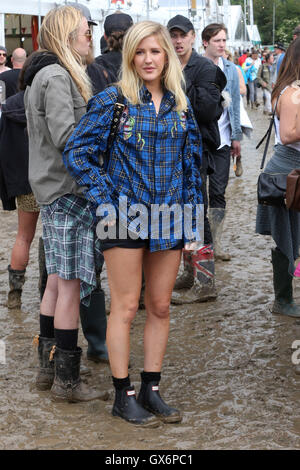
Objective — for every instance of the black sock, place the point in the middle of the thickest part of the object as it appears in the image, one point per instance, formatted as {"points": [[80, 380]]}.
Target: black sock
{"points": [[66, 339], [148, 377], [121, 383], [46, 326]]}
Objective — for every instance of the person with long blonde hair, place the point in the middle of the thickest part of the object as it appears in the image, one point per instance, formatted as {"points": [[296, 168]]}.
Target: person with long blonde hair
{"points": [[154, 160], [55, 99]]}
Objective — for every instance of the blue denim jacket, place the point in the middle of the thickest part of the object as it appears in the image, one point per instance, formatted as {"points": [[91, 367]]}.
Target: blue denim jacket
{"points": [[233, 88]]}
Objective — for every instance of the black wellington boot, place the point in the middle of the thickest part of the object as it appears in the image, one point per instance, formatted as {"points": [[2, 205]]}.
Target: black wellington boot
{"points": [[93, 322], [283, 286], [45, 376], [67, 385], [150, 399], [127, 407], [16, 281]]}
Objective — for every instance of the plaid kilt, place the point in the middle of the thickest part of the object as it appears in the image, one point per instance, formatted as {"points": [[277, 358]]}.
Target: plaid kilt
{"points": [[72, 249]]}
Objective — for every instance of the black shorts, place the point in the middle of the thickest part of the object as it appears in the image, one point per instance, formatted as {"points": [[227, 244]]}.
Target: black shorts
{"points": [[129, 243]]}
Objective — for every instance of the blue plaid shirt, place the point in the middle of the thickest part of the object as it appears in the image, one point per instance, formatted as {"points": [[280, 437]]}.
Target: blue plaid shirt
{"points": [[154, 159]]}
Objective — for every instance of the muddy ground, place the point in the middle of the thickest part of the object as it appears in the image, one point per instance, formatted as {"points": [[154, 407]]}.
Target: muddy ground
{"points": [[228, 363]]}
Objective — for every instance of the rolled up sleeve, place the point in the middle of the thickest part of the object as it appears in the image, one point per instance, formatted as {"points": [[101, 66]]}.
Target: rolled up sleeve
{"points": [[84, 147]]}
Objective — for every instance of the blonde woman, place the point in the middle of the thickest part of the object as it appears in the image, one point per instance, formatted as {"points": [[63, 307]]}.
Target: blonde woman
{"points": [[55, 99], [154, 160]]}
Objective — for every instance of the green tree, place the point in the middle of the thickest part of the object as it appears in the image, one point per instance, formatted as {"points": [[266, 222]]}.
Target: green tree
{"points": [[284, 33], [287, 16]]}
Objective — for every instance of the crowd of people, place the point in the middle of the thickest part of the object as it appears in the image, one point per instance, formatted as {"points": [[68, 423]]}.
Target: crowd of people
{"points": [[94, 145]]}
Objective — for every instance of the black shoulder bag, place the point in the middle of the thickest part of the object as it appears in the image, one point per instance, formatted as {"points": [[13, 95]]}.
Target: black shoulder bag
{"points": [[118, 110], [271, 188]]}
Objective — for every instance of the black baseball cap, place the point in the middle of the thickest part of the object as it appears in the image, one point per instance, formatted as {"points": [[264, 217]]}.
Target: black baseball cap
{"points": [[84, 10], [280, 46], [117, 22], [180, 22]]}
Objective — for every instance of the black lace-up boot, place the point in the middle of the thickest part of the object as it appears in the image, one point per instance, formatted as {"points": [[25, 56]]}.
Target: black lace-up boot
{"points": [[67, 384], [45, 376]]}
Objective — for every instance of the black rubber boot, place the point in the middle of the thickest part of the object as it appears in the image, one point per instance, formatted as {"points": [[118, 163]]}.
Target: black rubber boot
{"points": [[127, 407], [42, 268], [283, 286], [16, 281], [150, 399], [45, 376], [67, 385], [93, 322]]}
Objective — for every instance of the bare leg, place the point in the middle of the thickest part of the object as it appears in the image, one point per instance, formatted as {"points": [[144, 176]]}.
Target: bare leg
{"points": [[67, 305], [124, 268], [26, 229], [49, 300], [61, 299], [160, 271]]}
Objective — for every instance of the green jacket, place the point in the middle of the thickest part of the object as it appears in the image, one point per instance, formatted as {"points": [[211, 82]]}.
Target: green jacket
{"points": [[54, 107], [265, 75]]}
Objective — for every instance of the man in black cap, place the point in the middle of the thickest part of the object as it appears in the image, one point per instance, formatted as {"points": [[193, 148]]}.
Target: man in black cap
{"points": [[204, 84], [115, 27]]}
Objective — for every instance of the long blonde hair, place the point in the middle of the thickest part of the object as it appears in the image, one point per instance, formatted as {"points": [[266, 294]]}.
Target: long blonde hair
{"points": [[57, 35], [173, 79]]}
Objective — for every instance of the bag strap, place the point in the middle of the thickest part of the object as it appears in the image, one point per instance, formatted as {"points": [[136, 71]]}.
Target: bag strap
{"points": [[268, 136], [118, 110]]}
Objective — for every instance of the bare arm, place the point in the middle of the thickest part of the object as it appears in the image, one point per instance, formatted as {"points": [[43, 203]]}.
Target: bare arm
{"points": [[243, 88], [289, 114]]}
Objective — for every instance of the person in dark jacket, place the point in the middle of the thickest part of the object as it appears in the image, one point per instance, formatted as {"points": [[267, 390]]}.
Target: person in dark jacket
{"points": [[103, 45], [14, 184], [100, 76], [115, 27], [11, 77], [204, 84]]}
